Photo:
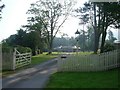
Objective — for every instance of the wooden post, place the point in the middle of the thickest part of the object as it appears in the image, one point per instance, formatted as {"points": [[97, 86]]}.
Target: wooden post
{"points": [[14, 58], [30, 57]]}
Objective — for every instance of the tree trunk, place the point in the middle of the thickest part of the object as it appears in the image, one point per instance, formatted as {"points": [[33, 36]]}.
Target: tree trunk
{"points": [[103, 41], [51, 35], [50, 47], [96, 34], [96, 42], [50, 44], [104, 32]]}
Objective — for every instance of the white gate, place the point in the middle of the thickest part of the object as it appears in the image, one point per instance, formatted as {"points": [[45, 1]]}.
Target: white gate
{"points": [[20, 59]]}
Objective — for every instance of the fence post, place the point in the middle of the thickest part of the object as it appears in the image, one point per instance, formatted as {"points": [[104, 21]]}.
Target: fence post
{"points": [[14, 58], [118, 57], [30, 57]]}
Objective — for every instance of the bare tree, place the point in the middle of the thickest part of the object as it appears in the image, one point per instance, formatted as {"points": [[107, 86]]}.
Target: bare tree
{"points": [[52, 14]]}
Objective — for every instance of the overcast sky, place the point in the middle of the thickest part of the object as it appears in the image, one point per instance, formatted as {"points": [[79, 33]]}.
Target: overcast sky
{"points": [[14, 15]]}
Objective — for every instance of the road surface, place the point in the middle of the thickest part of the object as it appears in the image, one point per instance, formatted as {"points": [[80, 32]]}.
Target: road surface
{"points": [[35, 77]]}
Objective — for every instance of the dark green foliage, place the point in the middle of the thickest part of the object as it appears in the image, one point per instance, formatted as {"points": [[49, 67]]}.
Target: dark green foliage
{"points": [[86, 39], [23, 49], [29, 39], [109, 47], [11, 40], [109, 43], [105, 14], [6, 48], [9, 49], [21, 34], [90, 39], [64, 41]]}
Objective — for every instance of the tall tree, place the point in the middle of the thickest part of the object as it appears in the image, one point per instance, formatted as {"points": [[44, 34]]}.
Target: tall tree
{"points": [[37, 27], [90, 38], [104, 16], [111, 17], [27, 39], [52, 14], [84, 14]]}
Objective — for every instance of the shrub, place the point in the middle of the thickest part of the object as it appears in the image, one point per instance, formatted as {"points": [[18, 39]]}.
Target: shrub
{"points": [[6, 48], [108, 47], [23, 49]]}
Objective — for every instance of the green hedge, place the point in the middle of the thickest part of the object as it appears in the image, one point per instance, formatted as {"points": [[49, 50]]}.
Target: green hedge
{"points": [[6, 48], [109, 47], [21, 49]]}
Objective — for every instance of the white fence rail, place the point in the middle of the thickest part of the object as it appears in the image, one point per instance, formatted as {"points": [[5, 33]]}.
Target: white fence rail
{"points": [[13, 60], [91, 62]]}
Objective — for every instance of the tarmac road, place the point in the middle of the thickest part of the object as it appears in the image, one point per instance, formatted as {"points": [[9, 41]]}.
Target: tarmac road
{"points": [[36, 77]]}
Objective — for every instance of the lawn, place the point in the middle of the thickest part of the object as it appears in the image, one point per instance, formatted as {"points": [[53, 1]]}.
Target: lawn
{"points": [[101, 79], [83, 53], [35, 61], [43, 57]]}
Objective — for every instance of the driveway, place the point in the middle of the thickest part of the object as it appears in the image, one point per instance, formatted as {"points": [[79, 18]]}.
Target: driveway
{"points": [[35, 77]]}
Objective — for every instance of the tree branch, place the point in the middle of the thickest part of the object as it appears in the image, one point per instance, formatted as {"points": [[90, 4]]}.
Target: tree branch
{"points": [[60, 26]]}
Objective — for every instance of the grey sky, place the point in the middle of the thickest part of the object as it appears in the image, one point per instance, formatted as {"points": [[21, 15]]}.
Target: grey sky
{"points": [[14, 15]]}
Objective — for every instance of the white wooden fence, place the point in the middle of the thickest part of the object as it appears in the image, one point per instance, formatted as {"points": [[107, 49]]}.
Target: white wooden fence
{"points": [[91, 62], [13, 60]]}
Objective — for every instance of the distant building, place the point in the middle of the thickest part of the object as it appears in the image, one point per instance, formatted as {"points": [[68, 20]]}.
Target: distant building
{"points": [[67, 49]]}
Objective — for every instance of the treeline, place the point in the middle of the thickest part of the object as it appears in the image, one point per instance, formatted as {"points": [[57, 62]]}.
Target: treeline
{"points": [[85, 40], [47, 17], [101, 16], [26, 39], [32, 40]]}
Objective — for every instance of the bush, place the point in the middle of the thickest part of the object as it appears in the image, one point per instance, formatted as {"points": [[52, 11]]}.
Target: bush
{"points": [[6, 48], [109, 47], [23, 49]]}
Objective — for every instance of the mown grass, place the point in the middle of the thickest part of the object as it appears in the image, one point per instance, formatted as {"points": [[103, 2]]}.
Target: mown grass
{"points": [[83, 53], [38, 59], [101, 79], [43, 57]]}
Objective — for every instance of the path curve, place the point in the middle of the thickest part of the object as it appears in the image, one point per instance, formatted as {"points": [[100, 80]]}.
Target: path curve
{"points": [[35, 77]]}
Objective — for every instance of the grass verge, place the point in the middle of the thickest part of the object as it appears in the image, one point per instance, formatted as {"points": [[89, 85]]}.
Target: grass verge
{"points": [[101, 79]]}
